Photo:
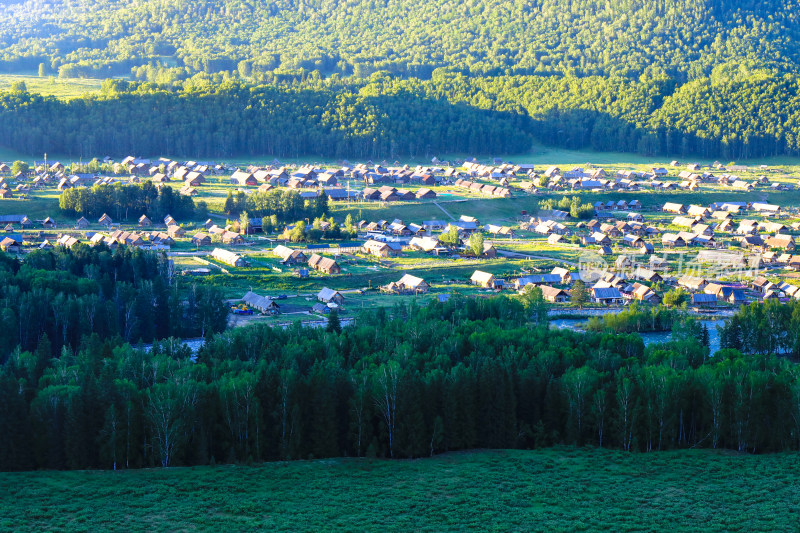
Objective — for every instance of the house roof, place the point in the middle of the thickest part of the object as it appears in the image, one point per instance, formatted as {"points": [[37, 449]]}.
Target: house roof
{"points": [[225, 256], [259, 302], [645, 273], [425, 243], [320, 262], [779, 241], [284, 252], [605, 293], [373, 246], [481, 277], [704, 298], [538, 279], [327, 294], [412, 282], [552, 292]]}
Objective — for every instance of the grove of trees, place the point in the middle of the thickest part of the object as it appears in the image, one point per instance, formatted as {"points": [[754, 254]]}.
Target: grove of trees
{"points": [[126, 201], [405, 382], [59, 296]]}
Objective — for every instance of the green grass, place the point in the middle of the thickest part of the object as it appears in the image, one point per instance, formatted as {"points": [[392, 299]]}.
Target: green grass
{"points": [[562, 489], [548, 155], [542, 155], [52, 86], [38, 206], [358, 273]]}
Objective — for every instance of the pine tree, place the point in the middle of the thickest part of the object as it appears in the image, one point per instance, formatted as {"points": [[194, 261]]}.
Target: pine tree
{"points": [[578, 295], [334, 325]]}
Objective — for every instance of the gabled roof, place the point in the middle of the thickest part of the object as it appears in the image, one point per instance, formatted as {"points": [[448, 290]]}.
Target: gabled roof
{"points": [[319, 262], [7, 241], [411, 282], [538, 279], [606, 293], [552, 292], [257, 301], [481, 277], [326, 294]]}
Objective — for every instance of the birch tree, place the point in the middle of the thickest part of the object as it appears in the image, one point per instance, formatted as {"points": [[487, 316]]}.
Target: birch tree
{"points": [[170, 410], [385, 381]]}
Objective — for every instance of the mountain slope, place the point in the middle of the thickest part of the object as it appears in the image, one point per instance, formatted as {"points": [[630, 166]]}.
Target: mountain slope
{"points": [[682, 38], [717, 78]]}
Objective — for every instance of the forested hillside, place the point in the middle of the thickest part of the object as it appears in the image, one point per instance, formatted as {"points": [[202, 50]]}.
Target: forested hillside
{"points": [[731, 115], [358, 79], [686, 38]]}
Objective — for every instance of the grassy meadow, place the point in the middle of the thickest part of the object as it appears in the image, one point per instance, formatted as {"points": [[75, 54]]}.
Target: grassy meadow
{"points": [[52, 86], [563, 489]]}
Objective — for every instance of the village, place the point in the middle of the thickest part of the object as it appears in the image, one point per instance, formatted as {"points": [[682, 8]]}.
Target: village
{"points": [[707, 238]]}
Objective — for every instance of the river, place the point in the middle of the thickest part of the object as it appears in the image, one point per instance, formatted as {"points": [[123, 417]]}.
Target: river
{"points": [[576, 324]]}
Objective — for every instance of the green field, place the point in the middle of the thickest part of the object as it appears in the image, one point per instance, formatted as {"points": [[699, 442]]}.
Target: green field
{"points": [[53, 86], [562, 489]]}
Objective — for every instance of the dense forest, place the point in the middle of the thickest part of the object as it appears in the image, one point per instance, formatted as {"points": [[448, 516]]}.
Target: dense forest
{"points": [[405, 382], [773, 327], [736, 113], [255, 38], [59, 296], [351, 120], [223, 78]]}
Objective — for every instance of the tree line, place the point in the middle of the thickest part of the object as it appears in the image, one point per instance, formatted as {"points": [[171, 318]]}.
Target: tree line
{"points": [[325, 119], [407, 382], [285, 204], [735, 113], [771, 327], [126, 201]]}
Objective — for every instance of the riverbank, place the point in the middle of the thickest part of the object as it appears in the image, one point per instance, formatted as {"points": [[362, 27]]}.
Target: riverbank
{"points": [[649, 337], [593, 312]]}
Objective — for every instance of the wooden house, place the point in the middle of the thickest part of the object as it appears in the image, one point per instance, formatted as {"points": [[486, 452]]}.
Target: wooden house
{"points": [[327, 296], [482, 279], [324, 264], [201, 239]]}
